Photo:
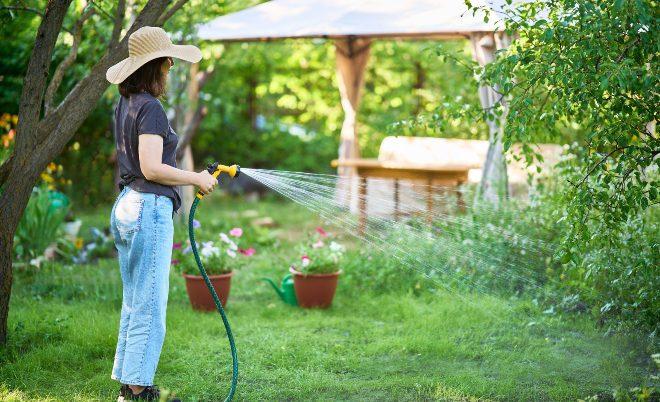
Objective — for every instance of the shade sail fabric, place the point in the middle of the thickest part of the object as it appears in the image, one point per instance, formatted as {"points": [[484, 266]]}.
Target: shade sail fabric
{"points": [[279, 19]]}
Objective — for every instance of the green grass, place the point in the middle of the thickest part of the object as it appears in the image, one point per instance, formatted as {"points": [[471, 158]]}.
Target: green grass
{"points": [[369, 346]]}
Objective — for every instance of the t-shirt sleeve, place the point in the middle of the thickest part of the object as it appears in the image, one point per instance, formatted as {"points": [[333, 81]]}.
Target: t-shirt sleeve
{"points": [[152, 120]]}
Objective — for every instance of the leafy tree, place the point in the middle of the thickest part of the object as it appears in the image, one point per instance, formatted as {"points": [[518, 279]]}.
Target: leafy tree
{"points": [[46, 122], [590, 67]]}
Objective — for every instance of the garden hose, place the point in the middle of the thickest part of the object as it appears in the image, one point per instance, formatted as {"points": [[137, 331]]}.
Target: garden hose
{"points": [[215, 169]]}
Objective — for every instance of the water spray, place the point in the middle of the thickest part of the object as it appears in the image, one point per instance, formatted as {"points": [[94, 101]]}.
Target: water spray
{"points": [[215, 169]]}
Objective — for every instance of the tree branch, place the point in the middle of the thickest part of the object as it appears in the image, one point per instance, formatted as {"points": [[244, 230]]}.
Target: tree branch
{"points": [[5, 168], [167, 15], [67, 62], [103, 12], [29, 10], [190, 130], [119, 23], [22, 8], [84, 96], [36, 76], [598, 164]]}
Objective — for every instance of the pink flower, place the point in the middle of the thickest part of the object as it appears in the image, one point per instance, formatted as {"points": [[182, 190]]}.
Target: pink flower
{"points": [[176, 246], [322, 232], [236, 232], [175, 261], [305, 260], [318, 244], [247, 252]]}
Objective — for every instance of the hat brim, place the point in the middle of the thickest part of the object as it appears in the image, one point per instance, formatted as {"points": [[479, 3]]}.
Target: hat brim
{"points": [[122, 70]]}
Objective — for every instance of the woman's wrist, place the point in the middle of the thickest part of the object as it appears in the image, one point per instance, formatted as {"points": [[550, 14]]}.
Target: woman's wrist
{"points": [[195, 179]]}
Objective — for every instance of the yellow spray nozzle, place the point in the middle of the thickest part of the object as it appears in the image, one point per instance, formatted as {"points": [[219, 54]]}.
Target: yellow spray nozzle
{"points": [[215, 169]]}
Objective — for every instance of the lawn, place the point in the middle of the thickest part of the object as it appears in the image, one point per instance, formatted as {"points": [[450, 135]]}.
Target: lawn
{"points": [[372, 344]]}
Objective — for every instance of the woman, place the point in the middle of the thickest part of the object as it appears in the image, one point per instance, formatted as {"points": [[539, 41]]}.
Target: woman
{"points": [[141, 218]]}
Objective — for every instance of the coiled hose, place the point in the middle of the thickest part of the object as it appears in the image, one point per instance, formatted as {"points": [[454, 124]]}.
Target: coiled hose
{"points": [[216, 300]]}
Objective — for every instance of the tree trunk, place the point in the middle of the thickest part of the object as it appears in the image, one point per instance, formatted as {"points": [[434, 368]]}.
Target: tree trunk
{"points": [[187, 192], [14, 198], [494, 181]]}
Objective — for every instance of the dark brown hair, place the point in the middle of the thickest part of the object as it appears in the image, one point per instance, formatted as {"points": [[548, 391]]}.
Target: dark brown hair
{"points": [[149, 78]]}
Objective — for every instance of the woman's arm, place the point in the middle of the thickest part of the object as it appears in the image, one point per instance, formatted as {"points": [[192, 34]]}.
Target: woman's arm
{"points": [[150, 152]]}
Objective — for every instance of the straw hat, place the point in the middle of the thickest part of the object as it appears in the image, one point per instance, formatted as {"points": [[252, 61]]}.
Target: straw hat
{"points": [[146, 44]]}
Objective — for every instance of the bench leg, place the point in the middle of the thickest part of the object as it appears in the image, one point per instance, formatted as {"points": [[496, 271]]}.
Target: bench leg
{"points": [[362, 205], [429, 201], [396, 199], [459, 198]]}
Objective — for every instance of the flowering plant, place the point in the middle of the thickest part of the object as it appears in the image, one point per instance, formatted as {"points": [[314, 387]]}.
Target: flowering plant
{"points": [[320, 254], [219, 257]]}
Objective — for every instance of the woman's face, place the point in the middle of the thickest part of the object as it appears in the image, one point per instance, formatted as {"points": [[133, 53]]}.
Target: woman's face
{"points": [[167, 65]]}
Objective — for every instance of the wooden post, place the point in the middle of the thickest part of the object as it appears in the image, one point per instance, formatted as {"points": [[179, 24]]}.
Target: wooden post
{"points": [[362, 204], [396, 199], [429, 201], [459, 197]]}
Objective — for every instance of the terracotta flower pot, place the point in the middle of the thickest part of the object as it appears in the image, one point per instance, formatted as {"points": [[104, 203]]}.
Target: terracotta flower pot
{"points": [[314, 290], [199, 294]]}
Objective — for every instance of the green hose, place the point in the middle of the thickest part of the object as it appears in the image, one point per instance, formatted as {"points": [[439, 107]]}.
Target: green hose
{"points": [[216, 300]]}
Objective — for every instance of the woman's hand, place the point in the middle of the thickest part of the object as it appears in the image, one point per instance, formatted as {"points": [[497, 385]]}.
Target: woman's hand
{"points": [[206, 182]]}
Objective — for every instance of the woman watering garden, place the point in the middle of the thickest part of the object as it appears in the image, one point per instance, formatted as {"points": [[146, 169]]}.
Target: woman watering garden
{"points": [[142, 216]]}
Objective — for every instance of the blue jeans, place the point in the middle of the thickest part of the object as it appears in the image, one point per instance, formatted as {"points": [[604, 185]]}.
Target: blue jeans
{"points": [[142, 227]]}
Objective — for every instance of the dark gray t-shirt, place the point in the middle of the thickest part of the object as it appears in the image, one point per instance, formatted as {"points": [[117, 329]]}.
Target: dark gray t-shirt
{"points": [[143, 114]]}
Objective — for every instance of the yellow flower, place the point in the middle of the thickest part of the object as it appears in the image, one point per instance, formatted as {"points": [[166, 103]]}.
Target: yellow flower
{"points": [[47, 178], [78, 243], [76, 146], [52, 167]]}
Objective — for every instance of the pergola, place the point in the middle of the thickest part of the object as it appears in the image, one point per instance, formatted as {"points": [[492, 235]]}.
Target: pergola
{"points": [[353, 25]]}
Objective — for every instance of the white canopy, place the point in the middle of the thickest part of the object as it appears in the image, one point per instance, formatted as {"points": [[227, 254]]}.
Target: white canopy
{"points": [[279, 19]]}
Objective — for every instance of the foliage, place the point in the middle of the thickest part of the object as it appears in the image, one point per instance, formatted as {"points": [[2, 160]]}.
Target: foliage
{"points": [[7, 133], [40, 224], [320, 254], [593, 64]]}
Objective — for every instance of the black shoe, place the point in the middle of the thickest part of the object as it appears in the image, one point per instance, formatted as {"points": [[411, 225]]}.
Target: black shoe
{"points": [[123, 392], [150, 393]]}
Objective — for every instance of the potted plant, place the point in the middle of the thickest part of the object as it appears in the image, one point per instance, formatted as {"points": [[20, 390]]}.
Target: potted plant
{"points": [[219, 259], [315, 277]]}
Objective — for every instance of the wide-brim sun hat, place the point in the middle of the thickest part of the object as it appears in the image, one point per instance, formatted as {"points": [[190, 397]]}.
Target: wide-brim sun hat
{"points": [[146, 44]]}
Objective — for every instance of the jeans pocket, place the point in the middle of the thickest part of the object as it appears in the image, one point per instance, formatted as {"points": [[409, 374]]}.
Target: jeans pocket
{"points": [[128, 213]]}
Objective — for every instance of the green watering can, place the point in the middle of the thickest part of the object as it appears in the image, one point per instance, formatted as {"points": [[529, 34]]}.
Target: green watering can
{"points": [[287, 292]]}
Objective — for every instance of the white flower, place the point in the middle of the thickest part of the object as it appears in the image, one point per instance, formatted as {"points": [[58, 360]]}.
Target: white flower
{"points": [[305, 261], [36, 262], [208, 249], [336, 247], [232, 246], [231, 253], [225, 238]]}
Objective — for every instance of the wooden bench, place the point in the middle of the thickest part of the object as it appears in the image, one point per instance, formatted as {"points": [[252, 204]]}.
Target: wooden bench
{"points": [[450, 176]]}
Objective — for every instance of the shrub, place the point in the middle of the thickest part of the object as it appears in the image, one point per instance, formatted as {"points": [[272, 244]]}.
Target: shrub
{"points": [[218, 257], [320, 254], [39, 226]]}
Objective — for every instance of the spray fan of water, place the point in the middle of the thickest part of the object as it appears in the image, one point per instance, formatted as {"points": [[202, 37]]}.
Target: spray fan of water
{"points": [[453, 245]]}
